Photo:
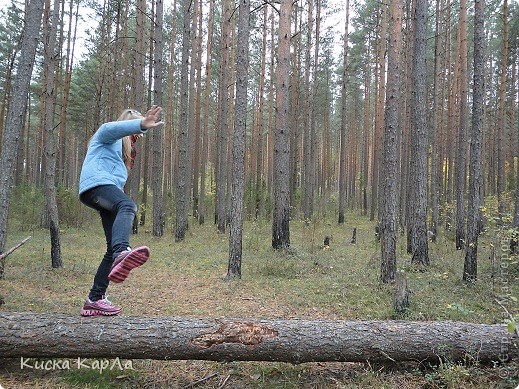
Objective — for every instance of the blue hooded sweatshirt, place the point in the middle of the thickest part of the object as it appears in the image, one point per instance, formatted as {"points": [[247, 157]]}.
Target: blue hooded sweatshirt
{"points": [[103, 164]]}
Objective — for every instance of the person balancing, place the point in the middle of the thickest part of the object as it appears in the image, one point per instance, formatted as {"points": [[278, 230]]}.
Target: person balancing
{"points": [[107, 163]]}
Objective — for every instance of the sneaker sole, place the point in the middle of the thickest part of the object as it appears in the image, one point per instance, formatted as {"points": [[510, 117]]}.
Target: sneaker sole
{"points": [[135, 259], [96, 312]]}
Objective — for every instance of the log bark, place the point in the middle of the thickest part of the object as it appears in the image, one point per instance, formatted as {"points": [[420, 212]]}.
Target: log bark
{"points": [[296, 341]]}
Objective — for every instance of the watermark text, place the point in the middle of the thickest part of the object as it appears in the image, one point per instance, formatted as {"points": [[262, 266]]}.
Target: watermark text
{"points": [[99, 365]]}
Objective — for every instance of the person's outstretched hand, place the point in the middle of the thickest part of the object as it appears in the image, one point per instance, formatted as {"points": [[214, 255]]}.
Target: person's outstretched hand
{"points": [[151, 117]]}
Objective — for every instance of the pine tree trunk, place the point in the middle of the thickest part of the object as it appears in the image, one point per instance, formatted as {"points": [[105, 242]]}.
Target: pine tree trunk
{"points": [[419, 141], [403, 214], [65, 161], [137, 101], [461, 163], [307, 135], [170, 107], [238, 153], [205, 131], [314, 141], [6, 87], [147, 142], [51, 17], [223, 100], [230, 117], [191, 118], [476, 173], [389, 177], [452, 112], [197, 23], [181, 199], [145, 178], [379, 113], [436, 117], [366, 132], [15, 116], [514, 242], [259, 201], [281, 219], [344, 106], [501, 116], [157, 134], [270, 122]]}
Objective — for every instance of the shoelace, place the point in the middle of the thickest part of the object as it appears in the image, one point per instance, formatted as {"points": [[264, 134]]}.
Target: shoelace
{"points": [[106, 301]]}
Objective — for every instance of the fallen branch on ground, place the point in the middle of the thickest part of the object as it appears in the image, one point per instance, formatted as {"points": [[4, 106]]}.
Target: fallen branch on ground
{"points": [[516, 329], [175, 338], [8, 252]]}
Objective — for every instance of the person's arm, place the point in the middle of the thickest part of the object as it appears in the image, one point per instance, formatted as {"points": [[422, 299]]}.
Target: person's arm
{"points": [[112, 131]]}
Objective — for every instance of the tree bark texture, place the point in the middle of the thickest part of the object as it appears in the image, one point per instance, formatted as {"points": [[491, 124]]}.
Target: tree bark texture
{"points": [[515, 223], [380, 93], [12, 133], [389, 180], [173, 338], [224, 77], [171, 106], [49, 99], [344, 107], [191, 103], [260, 176], [181, 199], [461, 163], [281, 220], [435, 183], [238, 153], [470, 266], [307, 134], [207, 94], [417, 206], [157, 134], [501, 184], [196, 116]]}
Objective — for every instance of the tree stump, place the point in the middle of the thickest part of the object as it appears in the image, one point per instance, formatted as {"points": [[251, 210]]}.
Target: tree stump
{"points": [[327, 240], [354, 236], [401, 301]]}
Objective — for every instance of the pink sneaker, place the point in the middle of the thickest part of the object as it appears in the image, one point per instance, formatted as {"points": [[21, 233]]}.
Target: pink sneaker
{"points": [[102, 307], [127, 261]]}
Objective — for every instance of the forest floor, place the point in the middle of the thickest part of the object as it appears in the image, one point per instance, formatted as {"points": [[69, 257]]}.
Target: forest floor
{"points": [[311, 282]]}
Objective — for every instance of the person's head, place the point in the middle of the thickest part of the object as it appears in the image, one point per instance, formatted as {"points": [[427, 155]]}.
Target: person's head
{"points": [[128, 114]]}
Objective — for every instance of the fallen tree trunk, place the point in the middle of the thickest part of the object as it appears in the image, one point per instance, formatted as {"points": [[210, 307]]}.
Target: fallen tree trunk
{"points": [[174, 338]]}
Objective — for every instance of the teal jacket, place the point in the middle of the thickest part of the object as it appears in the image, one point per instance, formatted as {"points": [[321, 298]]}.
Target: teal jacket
{"points": [[103, 164]]}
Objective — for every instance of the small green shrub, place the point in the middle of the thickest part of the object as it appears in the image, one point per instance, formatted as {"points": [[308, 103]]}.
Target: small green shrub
{"points": [[69, 207], [26, 207]]}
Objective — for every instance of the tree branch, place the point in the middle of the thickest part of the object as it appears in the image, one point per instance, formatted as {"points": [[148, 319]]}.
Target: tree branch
{"points": [[8, 252]]}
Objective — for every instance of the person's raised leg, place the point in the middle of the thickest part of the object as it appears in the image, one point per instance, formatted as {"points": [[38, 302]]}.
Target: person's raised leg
{"points": [[125, 258]]}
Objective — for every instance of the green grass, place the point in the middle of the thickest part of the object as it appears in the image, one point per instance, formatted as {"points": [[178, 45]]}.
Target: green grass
{"points": [[309, 281]]}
